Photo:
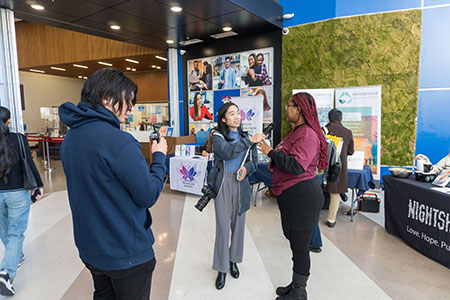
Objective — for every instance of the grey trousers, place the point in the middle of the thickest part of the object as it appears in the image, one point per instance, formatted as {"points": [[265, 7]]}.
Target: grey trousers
{"points": [[226, 206]]}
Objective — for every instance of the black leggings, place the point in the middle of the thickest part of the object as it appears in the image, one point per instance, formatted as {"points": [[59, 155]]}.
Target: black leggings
{"points": [[299, 241]]}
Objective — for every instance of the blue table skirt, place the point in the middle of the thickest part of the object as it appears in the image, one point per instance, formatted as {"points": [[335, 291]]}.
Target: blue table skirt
{"points": [[357, 179]]}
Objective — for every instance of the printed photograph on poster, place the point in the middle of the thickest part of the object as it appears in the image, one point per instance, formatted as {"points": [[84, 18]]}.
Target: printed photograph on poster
{"points": [[251, 110], [361, 107], [267, 93], [200, 106], [194, 128], [324, 101], [220, 97], [256, 67], [227, 72], [200, 74]]}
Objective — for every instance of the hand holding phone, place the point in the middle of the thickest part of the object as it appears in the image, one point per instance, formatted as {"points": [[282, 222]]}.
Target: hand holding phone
{"points": [[35, 194]]}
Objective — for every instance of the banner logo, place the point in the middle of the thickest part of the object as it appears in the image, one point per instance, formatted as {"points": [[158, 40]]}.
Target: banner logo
{"points": [[345, 98], [188, 173], [247, 115]]}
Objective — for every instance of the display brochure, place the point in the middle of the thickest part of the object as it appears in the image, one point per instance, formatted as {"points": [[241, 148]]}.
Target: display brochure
{"points": [[443, 179], [356, 161]]}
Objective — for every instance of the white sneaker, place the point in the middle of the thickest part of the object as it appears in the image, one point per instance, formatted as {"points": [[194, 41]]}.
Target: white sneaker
{"points": [[6, 286], [21, 262]]}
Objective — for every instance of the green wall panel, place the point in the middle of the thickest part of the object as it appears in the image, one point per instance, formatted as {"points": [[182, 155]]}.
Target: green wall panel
{"points": [[380, 49]]}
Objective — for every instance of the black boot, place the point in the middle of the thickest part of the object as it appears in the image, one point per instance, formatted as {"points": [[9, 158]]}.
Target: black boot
{"points": [[234, 271], [298, 288], [284, 290], [220, 280]]}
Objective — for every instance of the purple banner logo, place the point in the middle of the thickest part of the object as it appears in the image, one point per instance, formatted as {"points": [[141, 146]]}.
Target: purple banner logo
{"points": [[247, 115], [188, 173]]}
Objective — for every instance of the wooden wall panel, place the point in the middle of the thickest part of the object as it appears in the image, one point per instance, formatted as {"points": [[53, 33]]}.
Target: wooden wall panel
{"points": [[41, 45], [152, 86]]}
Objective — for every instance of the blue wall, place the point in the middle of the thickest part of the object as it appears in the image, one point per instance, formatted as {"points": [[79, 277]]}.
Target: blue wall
{"points": [[433, 116]]}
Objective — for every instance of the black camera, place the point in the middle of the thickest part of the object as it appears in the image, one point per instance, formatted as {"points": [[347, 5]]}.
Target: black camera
{"points": [[154, 135], [208, 194]]}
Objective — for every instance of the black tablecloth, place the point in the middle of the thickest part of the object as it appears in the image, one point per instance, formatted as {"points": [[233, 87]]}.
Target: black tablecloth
{"points": [[419, 215]]}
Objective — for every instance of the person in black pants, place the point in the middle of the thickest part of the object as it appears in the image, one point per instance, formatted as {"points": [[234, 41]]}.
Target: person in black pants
{"points": [[294, 162]]}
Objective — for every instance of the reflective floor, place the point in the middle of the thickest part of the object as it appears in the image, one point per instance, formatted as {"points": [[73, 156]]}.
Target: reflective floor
{"points": [[360, 260]]}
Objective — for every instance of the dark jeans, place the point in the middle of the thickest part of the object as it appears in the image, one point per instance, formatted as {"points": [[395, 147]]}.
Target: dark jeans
{"points": [[316, 239], [129, 284]]}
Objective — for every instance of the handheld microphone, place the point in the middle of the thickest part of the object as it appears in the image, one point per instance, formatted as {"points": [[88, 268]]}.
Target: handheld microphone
{"points": [[266, 131]]}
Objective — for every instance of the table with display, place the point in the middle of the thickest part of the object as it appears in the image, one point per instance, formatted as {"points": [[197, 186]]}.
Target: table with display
{"points": [[359, 181], [419, 215], [187, 174]]}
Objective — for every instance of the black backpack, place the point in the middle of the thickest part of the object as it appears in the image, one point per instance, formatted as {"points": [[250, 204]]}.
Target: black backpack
{"points": [[334, 161]]}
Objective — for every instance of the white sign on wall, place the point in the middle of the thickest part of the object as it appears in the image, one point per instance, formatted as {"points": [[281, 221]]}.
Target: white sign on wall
{"points": [[324, 101]]}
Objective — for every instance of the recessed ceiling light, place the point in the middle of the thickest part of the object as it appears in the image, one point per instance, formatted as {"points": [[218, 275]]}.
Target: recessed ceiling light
{"points": [[128, 68], [84, 77], [104, 63], [114, 27], [37, 71], [153, 66], [161, 58], [131, 61], [169, 41], [176, 9], [158, 67], [37, 6], [80, 66], [81, 77], [134, 70], [227, 28], [58, 69]]}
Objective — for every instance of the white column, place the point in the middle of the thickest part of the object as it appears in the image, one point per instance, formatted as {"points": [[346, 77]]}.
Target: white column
{"points": [[9, 70], [174, 96]]}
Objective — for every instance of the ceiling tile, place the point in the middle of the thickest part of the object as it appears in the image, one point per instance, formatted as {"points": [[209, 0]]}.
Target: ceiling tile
{"points": [[77, 9], [156, 12], [203, 8], [128, 23]]}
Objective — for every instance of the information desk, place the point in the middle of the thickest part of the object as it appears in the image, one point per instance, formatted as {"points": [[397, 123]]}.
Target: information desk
{"points": [[418, 215], [187, 174]]}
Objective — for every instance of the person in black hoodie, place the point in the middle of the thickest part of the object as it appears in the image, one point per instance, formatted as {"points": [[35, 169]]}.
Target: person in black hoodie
{"points": [[110, 187], [15, 201]]}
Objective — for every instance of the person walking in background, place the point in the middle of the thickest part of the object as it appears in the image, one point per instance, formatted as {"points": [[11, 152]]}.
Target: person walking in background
{"points": [[230, 181], [227, 76], [14, 199], [110, 187], [299, 195], [336, 128]]}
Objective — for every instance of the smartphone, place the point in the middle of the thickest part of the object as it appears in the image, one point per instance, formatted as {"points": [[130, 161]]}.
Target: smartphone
{"points": [[239, 174], [33, 197]]}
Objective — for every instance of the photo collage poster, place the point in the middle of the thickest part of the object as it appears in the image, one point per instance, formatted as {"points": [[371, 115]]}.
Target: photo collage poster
{"points": [[213, 81]]}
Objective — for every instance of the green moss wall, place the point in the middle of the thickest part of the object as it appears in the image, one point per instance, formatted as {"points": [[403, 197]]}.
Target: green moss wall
{"points": [[381, 49]]}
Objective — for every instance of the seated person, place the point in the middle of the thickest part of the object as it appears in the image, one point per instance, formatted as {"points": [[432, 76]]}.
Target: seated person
{"points": [[442, 165], [208, 144]]}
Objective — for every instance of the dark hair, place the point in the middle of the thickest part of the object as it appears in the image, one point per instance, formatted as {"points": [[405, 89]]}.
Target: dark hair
{"points": [[260, 54], [227, 57], [208, 69], [196, 106], [254, 57], [7, 154], [335, 115], [222, 127], [109, 84]]}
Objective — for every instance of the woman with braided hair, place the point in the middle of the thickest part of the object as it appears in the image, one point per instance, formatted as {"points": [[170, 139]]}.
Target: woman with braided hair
{"points": [[294, 163]]}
